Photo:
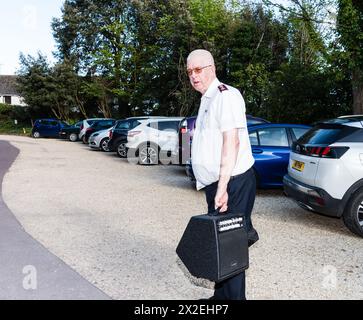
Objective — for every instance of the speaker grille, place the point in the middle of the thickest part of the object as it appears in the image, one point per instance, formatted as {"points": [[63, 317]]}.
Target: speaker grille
{"points": [[233, 252]]}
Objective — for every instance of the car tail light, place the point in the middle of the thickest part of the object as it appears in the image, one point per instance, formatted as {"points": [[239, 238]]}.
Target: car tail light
{"points": [[110, 133], [321, 151], [89, 129], [81, 127], [133, 133], [184, 127]]}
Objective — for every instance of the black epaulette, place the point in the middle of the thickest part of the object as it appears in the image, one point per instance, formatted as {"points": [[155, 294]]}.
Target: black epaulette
{"points": [[222, 87]]}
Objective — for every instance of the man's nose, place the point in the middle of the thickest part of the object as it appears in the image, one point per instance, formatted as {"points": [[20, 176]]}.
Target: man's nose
{"points": [[193, 75]]}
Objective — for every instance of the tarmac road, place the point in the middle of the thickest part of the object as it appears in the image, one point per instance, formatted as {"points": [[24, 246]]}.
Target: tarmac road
{"points": [[29, 271], [117, 225]]}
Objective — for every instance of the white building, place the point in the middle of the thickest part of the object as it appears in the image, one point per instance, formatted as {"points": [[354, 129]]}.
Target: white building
{"points": [[8, 92]]}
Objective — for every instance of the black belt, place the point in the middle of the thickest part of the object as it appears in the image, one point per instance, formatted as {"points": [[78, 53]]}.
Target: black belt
{"points": [[236, 176], [230, 179]]}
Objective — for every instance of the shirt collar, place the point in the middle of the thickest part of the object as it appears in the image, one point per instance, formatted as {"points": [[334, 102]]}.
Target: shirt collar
{"points": [[212, 87]]}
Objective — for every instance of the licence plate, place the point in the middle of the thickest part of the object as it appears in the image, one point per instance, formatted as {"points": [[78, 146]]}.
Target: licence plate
{"points": [[297, 165]]}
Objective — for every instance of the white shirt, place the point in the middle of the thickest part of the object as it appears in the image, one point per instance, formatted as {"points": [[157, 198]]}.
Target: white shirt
{"points": [[222, 109]]}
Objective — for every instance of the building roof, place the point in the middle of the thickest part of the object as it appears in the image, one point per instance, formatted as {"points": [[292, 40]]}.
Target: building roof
{"points": [[8, 85]]}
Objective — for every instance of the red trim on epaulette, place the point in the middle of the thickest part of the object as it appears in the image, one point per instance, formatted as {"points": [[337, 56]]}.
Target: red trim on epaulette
{"points": [[222, 88]]}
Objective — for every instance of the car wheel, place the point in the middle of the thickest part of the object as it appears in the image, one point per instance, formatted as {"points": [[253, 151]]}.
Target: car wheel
{"points": [[84, 140], [353, 213], [121, 150], [104, 144], [36, 134], [148, 154], [73, 137]]}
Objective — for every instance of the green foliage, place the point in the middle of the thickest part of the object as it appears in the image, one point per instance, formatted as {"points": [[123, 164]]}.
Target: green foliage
{"points": [[9, 113], [123, 58], [350, 29]]}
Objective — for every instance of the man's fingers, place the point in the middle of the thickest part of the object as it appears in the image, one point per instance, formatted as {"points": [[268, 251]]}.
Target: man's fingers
{"points": [[224, 208]]}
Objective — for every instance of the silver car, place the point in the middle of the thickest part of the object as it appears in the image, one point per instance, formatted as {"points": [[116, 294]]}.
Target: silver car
{"points": [[99, 140]]}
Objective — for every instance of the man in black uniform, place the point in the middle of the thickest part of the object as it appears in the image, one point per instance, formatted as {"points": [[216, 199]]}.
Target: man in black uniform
{"points": [[221, 154]]}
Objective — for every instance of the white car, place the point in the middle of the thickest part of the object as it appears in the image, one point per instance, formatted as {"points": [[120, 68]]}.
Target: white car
{"points": [[154, 140], [99, 140], [87, 123], [325, 172]]}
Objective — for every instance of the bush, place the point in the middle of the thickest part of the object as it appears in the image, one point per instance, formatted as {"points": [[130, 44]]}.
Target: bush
{"points": [[5, 110], [9, 113]]}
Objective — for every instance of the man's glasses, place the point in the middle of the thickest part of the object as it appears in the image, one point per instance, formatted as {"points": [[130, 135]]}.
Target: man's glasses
{"points": [[196, 70]]}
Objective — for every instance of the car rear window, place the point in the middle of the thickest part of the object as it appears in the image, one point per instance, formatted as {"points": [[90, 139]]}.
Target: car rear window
{"points": [[90, 122], [107, 123], [326, 134], [165, 125], [298, 132]]}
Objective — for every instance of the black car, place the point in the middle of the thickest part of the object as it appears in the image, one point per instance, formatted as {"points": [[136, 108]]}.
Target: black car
{"points": [[71, 132], [98, 126], [118, 135]]}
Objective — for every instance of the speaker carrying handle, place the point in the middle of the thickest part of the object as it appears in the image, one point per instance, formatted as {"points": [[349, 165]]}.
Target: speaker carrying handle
{"points": [[215, 212]]}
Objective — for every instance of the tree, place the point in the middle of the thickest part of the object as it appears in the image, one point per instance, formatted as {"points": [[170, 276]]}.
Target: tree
{"points": [[33, 83], [350, 28]]}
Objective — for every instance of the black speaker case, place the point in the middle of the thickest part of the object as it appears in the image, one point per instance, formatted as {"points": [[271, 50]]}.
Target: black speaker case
{"points": [[211, 254]]}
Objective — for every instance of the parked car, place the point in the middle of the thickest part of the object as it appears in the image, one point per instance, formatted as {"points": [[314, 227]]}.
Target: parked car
{"points": [[186, 131], [118, 134], [99, 140], [98, 126], [47, 128], [71, 132], [85, 124], [325, 173], [154, 140], [271, 145]]}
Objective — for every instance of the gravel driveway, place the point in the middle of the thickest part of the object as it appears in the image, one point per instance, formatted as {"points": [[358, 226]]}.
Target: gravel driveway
{"points": [[118, 225]]}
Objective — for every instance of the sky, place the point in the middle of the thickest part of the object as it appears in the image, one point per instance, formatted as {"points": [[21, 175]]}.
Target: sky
{"points": [[25, 26]]}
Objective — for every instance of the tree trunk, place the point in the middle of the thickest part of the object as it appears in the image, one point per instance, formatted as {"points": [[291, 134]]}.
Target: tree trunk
{"points": [[357, 91]]}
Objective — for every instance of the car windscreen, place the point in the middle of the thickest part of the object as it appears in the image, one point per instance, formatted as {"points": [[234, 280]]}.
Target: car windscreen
{"points": [[325, 134]]}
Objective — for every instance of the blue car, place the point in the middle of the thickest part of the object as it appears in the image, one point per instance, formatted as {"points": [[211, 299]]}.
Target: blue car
{"points": [[271, 144], [48, 128]]}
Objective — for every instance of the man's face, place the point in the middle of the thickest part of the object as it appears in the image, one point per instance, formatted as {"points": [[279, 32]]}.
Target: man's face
{"points": [[201, 74]]}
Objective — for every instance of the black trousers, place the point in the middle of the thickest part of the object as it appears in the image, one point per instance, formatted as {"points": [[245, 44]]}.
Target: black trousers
{"points": [[241, 198]]}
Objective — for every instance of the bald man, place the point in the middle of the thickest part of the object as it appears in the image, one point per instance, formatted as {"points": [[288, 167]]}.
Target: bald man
{"points": [[221, 154]]}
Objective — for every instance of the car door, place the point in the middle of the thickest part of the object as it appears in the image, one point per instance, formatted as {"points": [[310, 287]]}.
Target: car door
{"points": [[53, 128], [271, 150], [46, 128], [41, 127], [168, 134]]}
